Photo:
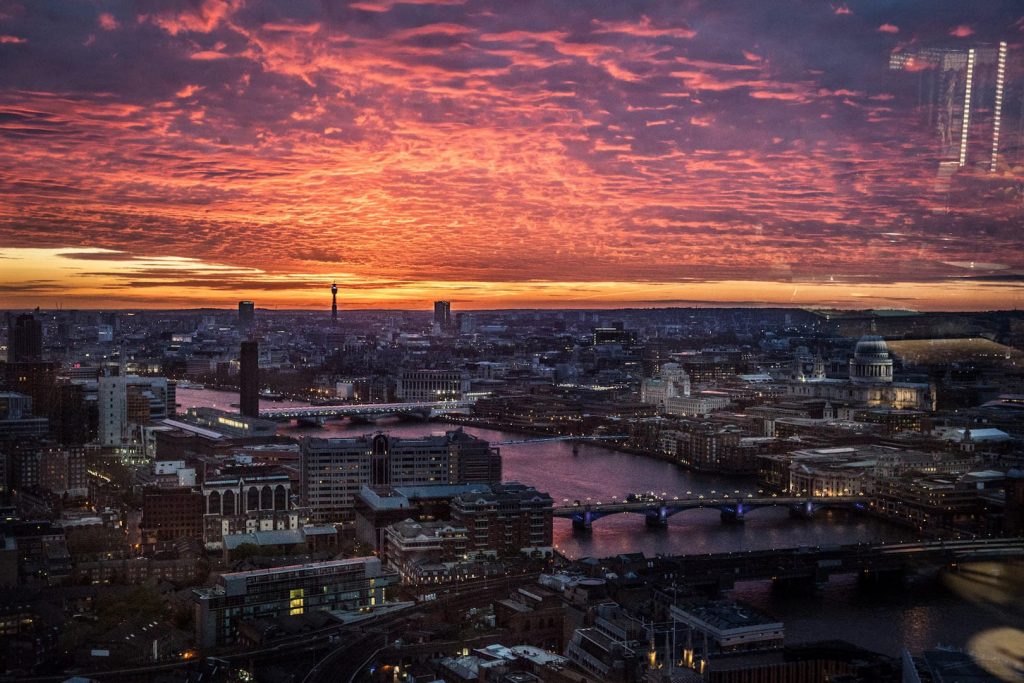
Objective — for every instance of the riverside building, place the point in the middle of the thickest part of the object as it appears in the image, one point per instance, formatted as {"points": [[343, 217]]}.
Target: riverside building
{"points": [[334, 470]]}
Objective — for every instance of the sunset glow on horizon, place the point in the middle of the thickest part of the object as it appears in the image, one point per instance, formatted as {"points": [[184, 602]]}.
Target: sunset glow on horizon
{"points": [[503, 155]]}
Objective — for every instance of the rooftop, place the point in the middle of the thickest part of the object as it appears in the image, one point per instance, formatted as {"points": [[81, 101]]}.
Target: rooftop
{"points": [[725, 615]]}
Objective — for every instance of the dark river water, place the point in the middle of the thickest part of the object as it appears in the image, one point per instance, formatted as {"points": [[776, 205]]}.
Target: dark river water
{"points": [[931, 609]]}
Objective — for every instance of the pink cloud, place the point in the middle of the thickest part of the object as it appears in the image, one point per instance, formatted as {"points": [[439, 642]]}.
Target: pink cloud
{"points": [[12, 39], [201, 18], [843, 9], [889, 28], [107, 21], [962, 31]]}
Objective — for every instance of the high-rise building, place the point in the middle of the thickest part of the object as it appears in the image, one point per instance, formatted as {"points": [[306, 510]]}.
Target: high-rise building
{"points": [[24, 339], [443, 314], [37, 379], [112, 396], [246, 314], [126, 402], [249, 382]]}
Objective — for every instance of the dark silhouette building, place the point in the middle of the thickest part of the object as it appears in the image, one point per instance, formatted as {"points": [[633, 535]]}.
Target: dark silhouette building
{"points": [[246, 314], [443, 314], [334, 302], [249, 362], [36, 379], [24, 338]]}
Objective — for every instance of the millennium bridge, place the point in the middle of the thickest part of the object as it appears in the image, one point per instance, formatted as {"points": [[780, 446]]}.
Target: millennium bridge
{"points": [[805, 565], [318, 414], [548, 439], [657, 510]]}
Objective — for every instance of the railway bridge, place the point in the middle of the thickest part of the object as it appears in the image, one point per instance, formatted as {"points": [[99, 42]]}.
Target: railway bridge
{"points": [[720, 571]]}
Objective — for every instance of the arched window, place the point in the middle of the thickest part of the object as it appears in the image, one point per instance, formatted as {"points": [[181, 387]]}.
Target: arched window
{"points": [[213, 503], [229, 503], [266, 498], [252, 501], [280, 498]]}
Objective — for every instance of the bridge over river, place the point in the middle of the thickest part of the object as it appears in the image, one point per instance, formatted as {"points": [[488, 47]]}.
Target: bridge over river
{"points": [[721, 571], [656, 510], [318, 414]]}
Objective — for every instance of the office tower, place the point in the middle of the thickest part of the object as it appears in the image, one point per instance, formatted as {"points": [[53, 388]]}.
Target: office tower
{"points": [[443, 314], [24, 339], [112, 396], [246, 314], [249, 364], [334, 302]]}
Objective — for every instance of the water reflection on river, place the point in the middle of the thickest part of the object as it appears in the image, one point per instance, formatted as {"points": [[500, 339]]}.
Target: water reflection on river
{"points": [[930, 610], [599, 473]]}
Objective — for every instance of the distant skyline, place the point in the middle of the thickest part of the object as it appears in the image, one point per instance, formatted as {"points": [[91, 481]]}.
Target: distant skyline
{"points": [[502, 155]]}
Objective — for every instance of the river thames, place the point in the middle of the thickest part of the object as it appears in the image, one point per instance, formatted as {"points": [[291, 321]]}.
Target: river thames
{"points": [[927, 611]]}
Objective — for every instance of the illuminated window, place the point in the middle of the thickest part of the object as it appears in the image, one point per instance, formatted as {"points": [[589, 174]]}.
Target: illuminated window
{"points": [[296, 601]]}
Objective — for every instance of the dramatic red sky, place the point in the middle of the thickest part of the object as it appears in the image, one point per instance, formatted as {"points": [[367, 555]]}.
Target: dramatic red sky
{"points": [[497, 153]]}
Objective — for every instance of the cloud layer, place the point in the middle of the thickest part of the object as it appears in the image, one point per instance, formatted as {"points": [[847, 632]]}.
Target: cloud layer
{"points": [[501, 150]]}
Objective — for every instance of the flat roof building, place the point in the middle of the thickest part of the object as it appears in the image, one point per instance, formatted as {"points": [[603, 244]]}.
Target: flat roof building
{"points": [[721, 626], [352, 584], [334, 470]]}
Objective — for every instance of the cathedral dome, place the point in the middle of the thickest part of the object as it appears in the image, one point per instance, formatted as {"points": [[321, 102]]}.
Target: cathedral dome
{"points": [[871, 361]]}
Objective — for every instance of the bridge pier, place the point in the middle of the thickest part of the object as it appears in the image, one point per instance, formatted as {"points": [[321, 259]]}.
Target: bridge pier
{"points": [[733, 515], [656, 519], [582, 523], [803, 510]]}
